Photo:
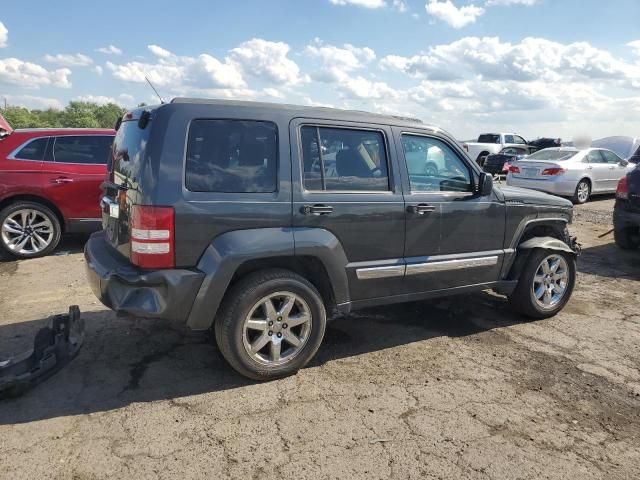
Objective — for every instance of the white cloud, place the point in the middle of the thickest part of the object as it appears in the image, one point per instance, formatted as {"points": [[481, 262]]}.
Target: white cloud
{"points": [[506, 3], [361, 3], [267, 60], [98, 69], [126, 100], [209, 70], [400, 6], [33, 102], [30, 75], [635, 46], [4, 35], [109, 50], [337, 61], [159, 51], [69, 60], [457, 17], [123, 100]]}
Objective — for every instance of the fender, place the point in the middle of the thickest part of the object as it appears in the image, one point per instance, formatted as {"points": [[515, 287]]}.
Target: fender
{"points": [[524, 249], [230, 250]]}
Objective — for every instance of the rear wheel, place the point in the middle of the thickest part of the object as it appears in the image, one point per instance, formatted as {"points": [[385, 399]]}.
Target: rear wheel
{"points": [[29, 230], [583, 192], [271, 324], [627, 238], [545, 285]]}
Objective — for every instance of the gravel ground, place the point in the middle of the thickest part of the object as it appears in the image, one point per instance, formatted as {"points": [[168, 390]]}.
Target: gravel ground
{"points": [[455, 388]]}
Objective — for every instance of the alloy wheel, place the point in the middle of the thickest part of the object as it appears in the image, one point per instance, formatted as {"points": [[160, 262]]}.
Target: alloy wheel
{"points": [[583, 192], [27, 231], [277, 328], [550, 281]]}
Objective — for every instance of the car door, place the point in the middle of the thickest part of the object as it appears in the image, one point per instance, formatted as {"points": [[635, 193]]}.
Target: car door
{"points": [[344, 184], [22, 168], [598, 170], [454, 237], [74, 168], [617, 169]]}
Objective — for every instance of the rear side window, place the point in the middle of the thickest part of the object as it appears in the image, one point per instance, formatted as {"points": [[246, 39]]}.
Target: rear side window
{"points": [[85, 149], [344, 159], [34, 150], [232, 156]]}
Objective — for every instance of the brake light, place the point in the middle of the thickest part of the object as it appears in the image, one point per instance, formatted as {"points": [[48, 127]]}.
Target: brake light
{"points": [[152, 237], [553, 171], [513, 169], [622, 192]]}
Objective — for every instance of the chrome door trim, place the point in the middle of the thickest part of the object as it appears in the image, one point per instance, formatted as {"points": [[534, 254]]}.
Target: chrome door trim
{"points": [[380, 272], [447, 265]]}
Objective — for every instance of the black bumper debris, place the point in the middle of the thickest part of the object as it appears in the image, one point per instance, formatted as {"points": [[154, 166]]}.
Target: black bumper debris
{"points": [[54, 346]]}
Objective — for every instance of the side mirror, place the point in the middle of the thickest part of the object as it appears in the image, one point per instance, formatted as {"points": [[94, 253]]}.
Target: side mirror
{"points": [[485, 184], [624, 163]]}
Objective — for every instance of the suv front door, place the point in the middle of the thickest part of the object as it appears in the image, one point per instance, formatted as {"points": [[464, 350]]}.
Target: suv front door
{"points": [[344, 184], [454, 237], [74, 168]]}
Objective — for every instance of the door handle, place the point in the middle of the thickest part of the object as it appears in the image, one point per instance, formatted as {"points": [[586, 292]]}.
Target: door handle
{"points": [[421, 208], [317, 209], [62, 180]]}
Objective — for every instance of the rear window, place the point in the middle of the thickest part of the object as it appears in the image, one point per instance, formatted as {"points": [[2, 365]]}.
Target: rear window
{"points": [[232, 156], [84, 149], [128, 152], [554, 155], [489, 138]]}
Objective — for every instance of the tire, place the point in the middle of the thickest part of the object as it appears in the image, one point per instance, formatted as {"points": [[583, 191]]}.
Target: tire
{"points": [[42, 240], [246, 301], [482, 158], [524, 299], [578, 198], [627, 238]]}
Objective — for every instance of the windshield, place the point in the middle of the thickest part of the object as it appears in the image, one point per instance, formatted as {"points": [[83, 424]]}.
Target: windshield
{"points": [[550, 154], [489, 138]]}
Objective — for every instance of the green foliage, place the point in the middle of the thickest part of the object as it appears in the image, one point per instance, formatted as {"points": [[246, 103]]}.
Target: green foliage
{"points": [[75, 115]]}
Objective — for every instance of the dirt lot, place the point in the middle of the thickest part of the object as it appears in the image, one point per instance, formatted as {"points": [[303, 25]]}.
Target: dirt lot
{"points": [[457, 388]]}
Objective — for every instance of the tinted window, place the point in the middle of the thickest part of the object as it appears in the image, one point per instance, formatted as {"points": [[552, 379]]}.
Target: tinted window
{"points": [[434, 167], [231, 156], [344, 159], [489, 138], [86, 149], [610, 157], [595, 157], [129, 148], [34, 150]]}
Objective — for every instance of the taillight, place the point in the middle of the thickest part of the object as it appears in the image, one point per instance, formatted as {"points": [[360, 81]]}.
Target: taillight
{"points": [[553, 171], [514, 169], [622, 192], [152, 237]]}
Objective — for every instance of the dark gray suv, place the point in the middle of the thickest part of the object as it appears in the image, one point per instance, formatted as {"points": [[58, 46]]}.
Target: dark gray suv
{"points": [[260, 221]]}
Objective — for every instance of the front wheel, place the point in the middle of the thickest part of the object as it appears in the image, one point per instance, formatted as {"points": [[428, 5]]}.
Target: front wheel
{"points": [[28, 230], [545, 285], [271, 324]]}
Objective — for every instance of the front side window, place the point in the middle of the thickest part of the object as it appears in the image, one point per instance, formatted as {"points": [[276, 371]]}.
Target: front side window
{"points": [[343, 159], [34, 150], [509, 139], [595, 156], [434, 167], [85, 149], [232, 156], [519, 140], [610, 157]]}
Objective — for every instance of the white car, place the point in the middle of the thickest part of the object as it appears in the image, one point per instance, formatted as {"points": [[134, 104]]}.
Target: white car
{"points": [[570, 172]]}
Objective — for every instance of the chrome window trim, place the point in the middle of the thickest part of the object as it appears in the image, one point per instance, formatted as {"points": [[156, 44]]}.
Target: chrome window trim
{"points": [[14, 152]]}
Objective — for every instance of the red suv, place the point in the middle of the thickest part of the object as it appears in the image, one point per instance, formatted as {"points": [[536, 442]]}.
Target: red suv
{"points": [[49, 184]]}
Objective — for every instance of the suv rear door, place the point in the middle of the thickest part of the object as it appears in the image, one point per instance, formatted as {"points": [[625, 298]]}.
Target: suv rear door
{"points": [[344, 183], [74, 168], [21, 168], [454, 237]]}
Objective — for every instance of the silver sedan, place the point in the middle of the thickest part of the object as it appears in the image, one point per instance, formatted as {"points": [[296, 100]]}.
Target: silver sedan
{"points": [[570, 172]]}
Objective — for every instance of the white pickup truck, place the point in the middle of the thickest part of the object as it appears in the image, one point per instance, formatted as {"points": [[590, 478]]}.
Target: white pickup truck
{"points": [[489, 143]]}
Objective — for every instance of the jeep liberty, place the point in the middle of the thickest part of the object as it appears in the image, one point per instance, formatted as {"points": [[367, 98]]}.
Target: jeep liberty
{"points": [[261, 220]]}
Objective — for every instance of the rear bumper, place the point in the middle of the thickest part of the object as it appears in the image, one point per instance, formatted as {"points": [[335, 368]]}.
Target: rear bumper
{"points": [[624, 219], [557, 187], [124, 288]]}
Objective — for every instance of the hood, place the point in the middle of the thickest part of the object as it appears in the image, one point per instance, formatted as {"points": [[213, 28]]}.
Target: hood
{"points": [[531, 197], [5, 128]]}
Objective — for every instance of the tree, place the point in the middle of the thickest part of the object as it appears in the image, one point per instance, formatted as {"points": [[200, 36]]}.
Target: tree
{"points": [[75, 115]]}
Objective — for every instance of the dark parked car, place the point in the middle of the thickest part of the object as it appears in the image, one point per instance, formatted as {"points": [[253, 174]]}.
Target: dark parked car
{"points": [[626, 213], [261, 220], [49, 185], [498, 163]]}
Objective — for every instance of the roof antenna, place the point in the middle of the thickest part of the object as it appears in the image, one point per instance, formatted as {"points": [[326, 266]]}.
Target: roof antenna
{"points": [[154, 89]]}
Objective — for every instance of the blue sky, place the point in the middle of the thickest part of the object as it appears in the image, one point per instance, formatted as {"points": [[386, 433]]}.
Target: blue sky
{"points": [[538, 67]]}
